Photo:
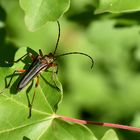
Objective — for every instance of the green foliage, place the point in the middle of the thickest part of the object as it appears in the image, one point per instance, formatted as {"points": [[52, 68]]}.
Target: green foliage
{"points": [[42, 124], [136, 121], [118, 6], [110, 135], [40, 11], [109, 92]]}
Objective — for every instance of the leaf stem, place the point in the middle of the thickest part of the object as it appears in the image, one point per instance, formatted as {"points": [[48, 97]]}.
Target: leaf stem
{"points": [[131, 128]]}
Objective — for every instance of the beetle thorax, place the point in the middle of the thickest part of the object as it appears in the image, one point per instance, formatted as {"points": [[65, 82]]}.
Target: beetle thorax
{"points": [[49, 59]]}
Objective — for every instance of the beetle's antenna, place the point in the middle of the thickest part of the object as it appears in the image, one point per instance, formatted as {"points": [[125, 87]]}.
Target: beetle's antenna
{"points": [[58, 37], [92, 61]]}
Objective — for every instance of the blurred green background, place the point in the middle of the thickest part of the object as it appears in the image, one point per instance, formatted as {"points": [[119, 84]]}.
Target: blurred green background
{"points": [[110, 92]]}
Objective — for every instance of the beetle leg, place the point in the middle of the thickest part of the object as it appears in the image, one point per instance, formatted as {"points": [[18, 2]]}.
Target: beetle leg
{"points": [[32, 56], [16, 61], [54, 85], [54, 71], [16, 71], [8, 85], [40, 53], [47, 82], [55, 66], [30, 103]]}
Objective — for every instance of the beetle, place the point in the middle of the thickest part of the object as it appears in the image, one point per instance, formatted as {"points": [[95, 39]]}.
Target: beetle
{"points": [[39, 63]]}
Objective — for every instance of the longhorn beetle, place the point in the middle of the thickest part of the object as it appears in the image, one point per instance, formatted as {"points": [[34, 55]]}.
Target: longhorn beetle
{"points": [[39, 63]]}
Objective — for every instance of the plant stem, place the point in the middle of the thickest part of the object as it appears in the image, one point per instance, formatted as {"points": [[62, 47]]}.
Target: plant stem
{"points": [[131, 128]]}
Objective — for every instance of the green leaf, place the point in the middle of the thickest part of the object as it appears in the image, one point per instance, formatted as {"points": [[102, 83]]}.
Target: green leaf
{"points": [[42, 125], [136, 121], [15, 106], [38, 12], [61, 130], [110, 135], [46, 91], [118, 6]]}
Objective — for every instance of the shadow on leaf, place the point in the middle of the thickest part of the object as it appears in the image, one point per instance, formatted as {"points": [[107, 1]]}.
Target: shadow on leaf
{"points": [[26, 138]]}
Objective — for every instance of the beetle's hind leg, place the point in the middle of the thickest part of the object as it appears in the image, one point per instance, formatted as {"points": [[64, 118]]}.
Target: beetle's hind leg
{"points": [[30, 103], [16, 71], [7, 85]]}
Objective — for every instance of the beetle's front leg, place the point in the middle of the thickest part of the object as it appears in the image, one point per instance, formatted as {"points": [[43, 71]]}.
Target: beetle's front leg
{"points": [[20, 59], [54, 72]]}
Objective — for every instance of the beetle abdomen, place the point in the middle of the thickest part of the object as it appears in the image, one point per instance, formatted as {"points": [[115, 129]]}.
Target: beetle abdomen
{"points": [[31, 73]]}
